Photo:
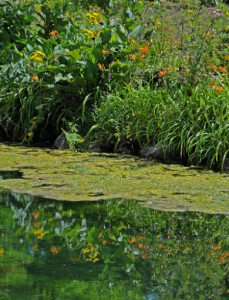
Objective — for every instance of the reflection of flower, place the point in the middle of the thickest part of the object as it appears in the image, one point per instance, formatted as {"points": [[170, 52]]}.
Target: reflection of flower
{"points": [[39, 233], [132, 240], [53, 33], [35, 78], [35, 213], [85, 250], [54, 250], [144, 255]]}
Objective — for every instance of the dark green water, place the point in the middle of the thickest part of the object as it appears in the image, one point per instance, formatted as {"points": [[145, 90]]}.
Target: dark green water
{"points": [[113, 249]]}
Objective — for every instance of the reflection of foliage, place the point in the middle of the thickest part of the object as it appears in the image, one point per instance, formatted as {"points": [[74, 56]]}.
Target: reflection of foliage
{"points": [[168, 254]]}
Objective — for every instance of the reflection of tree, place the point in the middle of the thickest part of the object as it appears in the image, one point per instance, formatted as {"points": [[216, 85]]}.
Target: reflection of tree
{"points": [[164, 253]]}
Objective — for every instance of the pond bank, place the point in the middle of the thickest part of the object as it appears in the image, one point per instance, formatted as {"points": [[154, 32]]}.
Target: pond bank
{"points": [[68, 175]]}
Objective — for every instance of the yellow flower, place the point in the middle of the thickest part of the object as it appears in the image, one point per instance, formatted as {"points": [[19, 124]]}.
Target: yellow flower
{"points": [[39, 233], [90, 34], [227, 13], [227, 27], [38, 56], [95, 260], [94, 17], [1, 251], [190, 11], [85, 250], [140, 2]]}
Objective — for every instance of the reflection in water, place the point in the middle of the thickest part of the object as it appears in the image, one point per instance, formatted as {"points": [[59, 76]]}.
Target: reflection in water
{"points": [[10, 174], [114, 249]]}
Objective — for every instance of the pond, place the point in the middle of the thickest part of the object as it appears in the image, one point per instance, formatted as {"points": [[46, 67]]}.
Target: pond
{"points": [[109, 249]]}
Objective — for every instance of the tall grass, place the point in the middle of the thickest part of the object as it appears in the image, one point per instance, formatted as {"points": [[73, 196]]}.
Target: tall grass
{"points": [[196, 126]]}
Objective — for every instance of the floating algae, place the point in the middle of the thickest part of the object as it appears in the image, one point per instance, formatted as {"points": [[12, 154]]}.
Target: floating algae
{"points": [[68, 175]]}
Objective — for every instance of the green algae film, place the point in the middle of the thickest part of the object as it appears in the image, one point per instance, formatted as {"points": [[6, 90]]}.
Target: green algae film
{"points": [[68, 175]]}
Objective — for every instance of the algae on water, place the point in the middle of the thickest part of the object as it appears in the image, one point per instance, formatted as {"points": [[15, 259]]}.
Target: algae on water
{"points": [[68, 175]]}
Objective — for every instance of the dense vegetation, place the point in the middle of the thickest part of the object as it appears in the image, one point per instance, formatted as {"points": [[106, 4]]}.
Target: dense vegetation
{"points": [[121, 72]]}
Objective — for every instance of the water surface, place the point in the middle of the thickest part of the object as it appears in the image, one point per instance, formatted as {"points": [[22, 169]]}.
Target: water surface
{"points": [[110, 249]]}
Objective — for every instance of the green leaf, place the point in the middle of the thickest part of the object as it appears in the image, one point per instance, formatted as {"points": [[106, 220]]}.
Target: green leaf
{"points": [[75, 54], [135, 31]]}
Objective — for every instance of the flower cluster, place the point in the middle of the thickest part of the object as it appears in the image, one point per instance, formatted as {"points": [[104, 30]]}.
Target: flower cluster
{"points": [[90, 33], [38, 56], [93, 17]]}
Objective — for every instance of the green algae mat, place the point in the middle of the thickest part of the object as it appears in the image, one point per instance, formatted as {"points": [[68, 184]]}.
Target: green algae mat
{"points": [[74, 176]]}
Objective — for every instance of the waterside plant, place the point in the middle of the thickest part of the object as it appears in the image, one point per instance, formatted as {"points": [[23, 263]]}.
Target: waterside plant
{"points": [[134, 72]]}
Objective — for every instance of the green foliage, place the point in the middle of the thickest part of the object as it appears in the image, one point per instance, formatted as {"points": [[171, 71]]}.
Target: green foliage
{"points": [[55, 54]]}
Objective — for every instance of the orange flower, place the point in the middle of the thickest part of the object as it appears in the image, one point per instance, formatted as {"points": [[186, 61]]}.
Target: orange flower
{"points": [[132, 241], [133, 56], [217, 247], [54, 250], [35, 214], [218, 88], [53, 33], [212, 253], [225, 254], [207, 34], [162, 73], [227, 57], [144, 255], [141, 237], [221, 259], [37, 224], [104, 242], [35, 78], [140, 245], [223, 69], [214, 67], [101, 67], [33, 122], [105, 52], [212, 82], [161, 246], [142, 56], [100, 235], [143, 50]]}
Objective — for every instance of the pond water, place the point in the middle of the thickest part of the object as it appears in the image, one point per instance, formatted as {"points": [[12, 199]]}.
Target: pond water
{"points": [[109, 249]]}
